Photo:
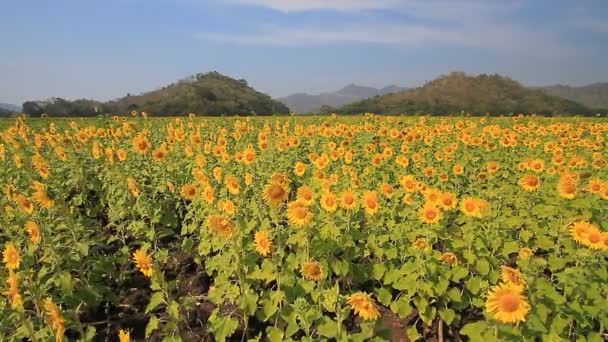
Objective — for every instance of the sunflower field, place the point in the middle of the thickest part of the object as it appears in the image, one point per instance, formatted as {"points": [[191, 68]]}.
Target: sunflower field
{"points": [[304, 228]]}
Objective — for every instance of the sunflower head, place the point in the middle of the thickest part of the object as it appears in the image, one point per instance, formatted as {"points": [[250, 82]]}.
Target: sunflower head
{"points": [[507, 304], [312, 270]]}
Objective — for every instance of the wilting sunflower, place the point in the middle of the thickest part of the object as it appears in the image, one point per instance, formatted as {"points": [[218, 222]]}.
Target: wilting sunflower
{"points": [[298, 214], [507, 304], [55, 318], [370, 202], [529, 183], [33, 230], [143, 261], [221, 225], [263, 243], [430, 213], [312, 270], [420, 244], [25, 204], [449, 258], [11, 257], [364, 306], [329, 202], [13, 290], [513, 276], [275, 193], [567, 186]]}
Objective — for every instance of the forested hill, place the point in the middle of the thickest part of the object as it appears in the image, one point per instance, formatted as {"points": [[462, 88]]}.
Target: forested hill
{"points": [[210, 94], [476, 95]]}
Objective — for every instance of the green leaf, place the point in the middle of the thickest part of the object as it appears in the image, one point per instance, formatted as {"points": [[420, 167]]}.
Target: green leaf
{"points": [[329, 328], [474, 330], [222, 327], [412, 333], [483, 266], [157, 299], [402, 307], [274, 334], [447, 315], [151, 326], [378, 271]]}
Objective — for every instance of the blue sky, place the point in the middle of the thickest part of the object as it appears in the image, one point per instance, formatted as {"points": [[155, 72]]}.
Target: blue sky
{"points": [[105, 49]]}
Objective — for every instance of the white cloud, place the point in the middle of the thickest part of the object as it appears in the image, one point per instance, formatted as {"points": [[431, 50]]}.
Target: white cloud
{"points": [[307, 5], [492, 37], [592, 24]]}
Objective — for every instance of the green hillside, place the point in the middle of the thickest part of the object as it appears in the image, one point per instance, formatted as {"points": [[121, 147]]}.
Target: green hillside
{"points": [[476, 95]]}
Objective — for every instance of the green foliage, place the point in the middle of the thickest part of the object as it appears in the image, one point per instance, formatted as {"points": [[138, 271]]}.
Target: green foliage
{"points": [[458, 93]]}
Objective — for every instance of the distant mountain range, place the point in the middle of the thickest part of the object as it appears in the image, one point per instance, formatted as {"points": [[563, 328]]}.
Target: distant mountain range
{"points": [[593, 95], [304, 103], [458, 92], [10, 107]]}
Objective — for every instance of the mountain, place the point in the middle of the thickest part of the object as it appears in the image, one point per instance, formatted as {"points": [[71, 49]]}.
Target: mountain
{"points": [[10, 107], [304, 103], [211, 94], [593, 95], [476, 95], [5, 113]]}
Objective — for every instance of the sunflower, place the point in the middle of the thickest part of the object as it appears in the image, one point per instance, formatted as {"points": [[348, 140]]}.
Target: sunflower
{"points": [[370, 202], [329, 202], [348, 200], [420, 244], [33, 230], [529, 182], [469, 207], [298, 214], [312, 270], [432, 196], [512, 276], [40, 195], [208, 194], [299, 169], [160, 153], [143, 262], [492, 167], [536, 165], [449, 258], [13, 290], [124, 336], [429, 213], [11, 257], [507, 304], [387, 190], [141, 145], [232, 184], [305, 195], [595, 186], [458, 169], [263, 243], [189, 192], [221, 225], [249, 155], [25, 204], [409, 183], [448, 201], [133, 187], [525, 253], [275, 193], [56, 320], [567, 186], [228, 207], [595, 239], [364, 306]]}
